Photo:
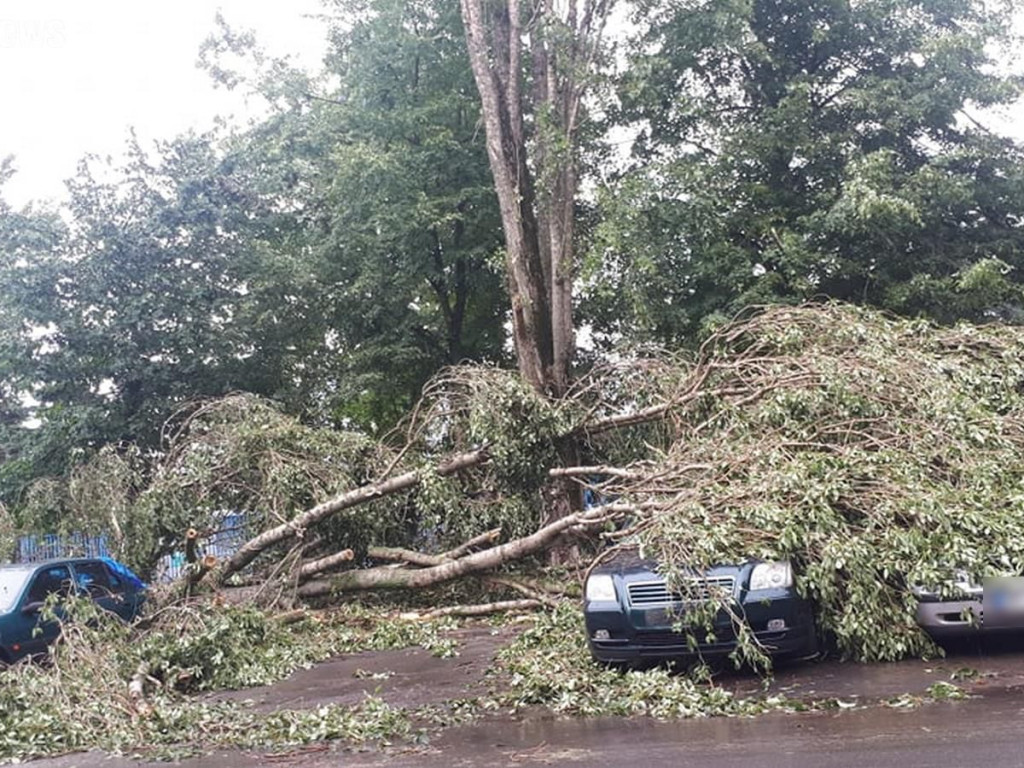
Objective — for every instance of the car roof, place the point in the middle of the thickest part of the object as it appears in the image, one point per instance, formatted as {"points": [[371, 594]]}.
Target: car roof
{"points": [[44, 563]]}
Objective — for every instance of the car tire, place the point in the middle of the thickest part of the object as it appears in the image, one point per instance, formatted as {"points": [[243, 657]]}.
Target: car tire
{"points": [[810, 651]]}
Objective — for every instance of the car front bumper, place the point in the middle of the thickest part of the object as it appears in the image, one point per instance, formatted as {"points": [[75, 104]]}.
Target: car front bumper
{"points": [[963, 618], [949, 618], [782, 622]]}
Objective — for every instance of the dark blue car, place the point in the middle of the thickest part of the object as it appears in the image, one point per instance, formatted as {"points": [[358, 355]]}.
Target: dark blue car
{"points": [[632, 614], [25, 588]]}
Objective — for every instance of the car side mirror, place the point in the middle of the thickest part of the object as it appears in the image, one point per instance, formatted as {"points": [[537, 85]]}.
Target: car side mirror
{"points": [[34, 607]]}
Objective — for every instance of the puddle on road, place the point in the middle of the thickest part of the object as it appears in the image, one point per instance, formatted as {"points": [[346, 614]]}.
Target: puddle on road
{"points": [[565, 741], [970, 666]]}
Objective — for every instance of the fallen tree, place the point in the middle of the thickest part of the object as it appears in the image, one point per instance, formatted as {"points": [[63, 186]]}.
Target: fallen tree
{"points": [[297, 526], [898, 460], [871, 452]]}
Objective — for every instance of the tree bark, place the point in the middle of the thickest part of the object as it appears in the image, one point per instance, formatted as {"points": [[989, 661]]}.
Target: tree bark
{"points": [[315, 567], [483, 609], [297, 526], [494, 44], [477, 562]]}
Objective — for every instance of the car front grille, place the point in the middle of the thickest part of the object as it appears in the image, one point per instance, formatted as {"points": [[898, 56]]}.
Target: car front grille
{"points": [[665, 639], [647, 594]]}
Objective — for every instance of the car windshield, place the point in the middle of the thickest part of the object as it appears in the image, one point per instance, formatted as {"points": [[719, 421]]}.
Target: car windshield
{"points": [[12, 581]]}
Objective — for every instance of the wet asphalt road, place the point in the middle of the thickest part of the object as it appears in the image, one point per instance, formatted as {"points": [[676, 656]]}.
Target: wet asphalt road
{"points": [[986, 729]]}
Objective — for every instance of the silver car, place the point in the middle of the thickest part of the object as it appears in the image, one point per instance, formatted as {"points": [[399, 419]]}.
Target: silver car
{"points": [[969, 607]]}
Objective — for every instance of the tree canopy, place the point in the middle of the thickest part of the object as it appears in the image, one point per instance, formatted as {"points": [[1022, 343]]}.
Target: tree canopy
{"points": [[339, 252], [788, 149]]}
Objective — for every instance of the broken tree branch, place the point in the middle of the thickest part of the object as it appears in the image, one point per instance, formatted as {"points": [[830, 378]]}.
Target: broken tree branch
{"points": [[489, 537], [477, 562], [399, 555], [197, 571], [483, 609], [137, 689], [191, 545], [531, 591], [297, 526], [313, 567]]}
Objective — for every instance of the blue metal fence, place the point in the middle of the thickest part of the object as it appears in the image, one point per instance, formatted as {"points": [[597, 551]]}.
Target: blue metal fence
{"points": [[223, 542], [32, 549]]}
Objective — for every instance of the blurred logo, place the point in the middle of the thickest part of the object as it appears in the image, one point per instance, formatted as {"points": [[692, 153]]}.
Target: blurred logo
{"points": [[32, 33], [1002, 601]]}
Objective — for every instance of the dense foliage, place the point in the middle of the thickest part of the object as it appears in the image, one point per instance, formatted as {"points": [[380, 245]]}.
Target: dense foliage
{"points": [[873, 453], [231, 467], [335, 255], [330, 258], [788, 149], [238, 460]]}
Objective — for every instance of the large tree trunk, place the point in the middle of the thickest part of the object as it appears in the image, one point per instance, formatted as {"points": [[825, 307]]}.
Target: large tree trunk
{"points": [[538, 213], [494, 40], [555, 98], [536, 177]]}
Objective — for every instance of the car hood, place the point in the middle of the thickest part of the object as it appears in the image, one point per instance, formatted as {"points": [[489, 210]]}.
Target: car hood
{"points": [[628, 565]]}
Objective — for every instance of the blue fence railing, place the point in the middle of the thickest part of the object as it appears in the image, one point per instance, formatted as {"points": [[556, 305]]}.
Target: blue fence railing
{"points": [[223, 542], [32, 549]]}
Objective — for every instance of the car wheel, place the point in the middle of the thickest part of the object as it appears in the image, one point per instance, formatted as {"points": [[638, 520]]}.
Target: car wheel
{"points": [[811, 650]]}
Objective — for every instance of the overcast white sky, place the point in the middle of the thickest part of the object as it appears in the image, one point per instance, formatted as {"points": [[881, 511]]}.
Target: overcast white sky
{"points": [[75, 74]]}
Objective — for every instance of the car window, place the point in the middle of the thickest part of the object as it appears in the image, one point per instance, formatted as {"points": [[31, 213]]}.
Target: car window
{"points": [[93, 579], [11, 584], [116, 584], [53, 580], [123, 574]]}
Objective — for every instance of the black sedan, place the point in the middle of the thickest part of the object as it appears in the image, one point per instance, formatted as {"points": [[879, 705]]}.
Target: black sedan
{"points": [[631, 613]]}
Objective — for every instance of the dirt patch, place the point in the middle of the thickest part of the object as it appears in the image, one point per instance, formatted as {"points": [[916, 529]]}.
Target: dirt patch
{"points": [[408, 678]]}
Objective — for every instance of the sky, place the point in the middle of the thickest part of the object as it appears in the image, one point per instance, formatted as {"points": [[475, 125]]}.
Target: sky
{"points": [[76, 74]]}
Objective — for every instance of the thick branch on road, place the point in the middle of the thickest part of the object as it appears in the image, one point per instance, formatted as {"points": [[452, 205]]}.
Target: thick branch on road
{"points": [[478, 562]]}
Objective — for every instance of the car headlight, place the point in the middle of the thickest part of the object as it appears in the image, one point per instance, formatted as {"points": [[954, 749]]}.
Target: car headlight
{"points": [[771, 576], [600, 587]]}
